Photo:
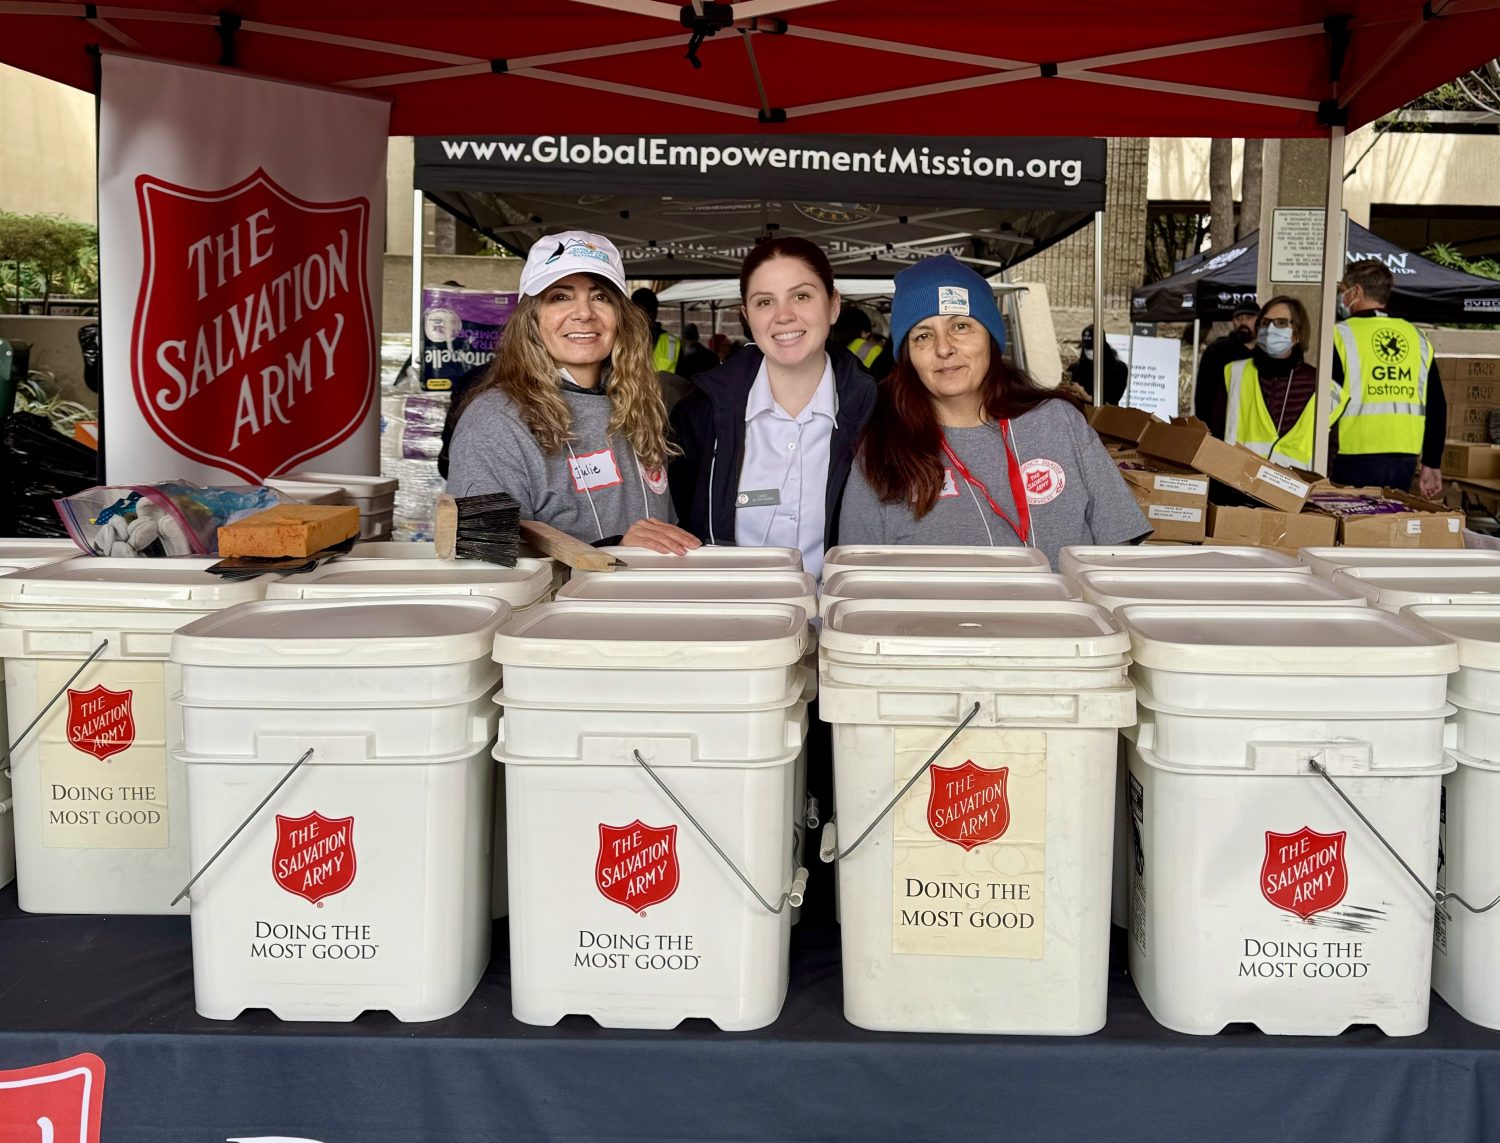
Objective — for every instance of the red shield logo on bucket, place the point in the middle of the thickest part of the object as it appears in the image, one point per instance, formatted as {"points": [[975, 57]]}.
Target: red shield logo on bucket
{"points": [[100, 721], [253, 347], [314, 855], [60, 1101], [969, 805], [1304, 872], [637, 865]]}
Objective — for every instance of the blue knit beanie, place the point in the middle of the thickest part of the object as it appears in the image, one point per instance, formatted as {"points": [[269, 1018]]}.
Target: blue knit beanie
{"points": [[943, 285]]}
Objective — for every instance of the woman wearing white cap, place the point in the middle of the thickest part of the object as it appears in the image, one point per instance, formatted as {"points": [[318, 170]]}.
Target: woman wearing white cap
{"points": [[569, 420]]}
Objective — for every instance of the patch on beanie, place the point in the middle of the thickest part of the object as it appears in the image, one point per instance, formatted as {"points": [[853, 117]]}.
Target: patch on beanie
{"points": [[953, 300]]}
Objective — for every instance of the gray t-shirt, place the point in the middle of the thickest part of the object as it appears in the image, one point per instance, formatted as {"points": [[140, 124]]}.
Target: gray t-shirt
{"points": [[1075, 493], [593, 493]]}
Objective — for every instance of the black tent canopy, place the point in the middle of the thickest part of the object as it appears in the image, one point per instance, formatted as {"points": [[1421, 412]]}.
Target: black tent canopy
{"points": [[1424, 291], [693, 206]]}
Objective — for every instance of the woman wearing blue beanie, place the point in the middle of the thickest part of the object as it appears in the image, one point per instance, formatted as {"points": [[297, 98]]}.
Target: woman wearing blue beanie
{"points": [[963, 448]]}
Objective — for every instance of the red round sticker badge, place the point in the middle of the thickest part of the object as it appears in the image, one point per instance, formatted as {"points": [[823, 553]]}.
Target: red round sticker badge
{"points": [[656, 479], [1044, 480]]}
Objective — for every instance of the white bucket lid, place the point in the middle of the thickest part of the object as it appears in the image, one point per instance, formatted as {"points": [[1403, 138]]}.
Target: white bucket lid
{"points": [[948, 628], [98, 581], [355, 484], [307, 491], [1111, 589], [796, 588], [721, 557], [1474, 627], [681, 636], [1220, 639], [18, 554], [906, 583], [847, 557], [1326, 561], [1078, 558], [391, 550], [1395, 588], [423, 632], [520, 586]]}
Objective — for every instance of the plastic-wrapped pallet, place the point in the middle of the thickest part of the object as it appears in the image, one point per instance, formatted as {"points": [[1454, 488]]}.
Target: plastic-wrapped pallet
{"points": [[411, 431]]}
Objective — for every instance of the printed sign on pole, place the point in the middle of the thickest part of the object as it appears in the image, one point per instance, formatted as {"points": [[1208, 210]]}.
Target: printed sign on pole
{"points": [[1154, 364]]}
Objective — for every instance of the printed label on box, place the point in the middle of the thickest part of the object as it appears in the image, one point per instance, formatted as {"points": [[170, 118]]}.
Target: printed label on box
{"points": [[1173, 512], [1281, 480], [1452, 524], [969, 860], [1414, 527], [102, 757], [1187, 485]]}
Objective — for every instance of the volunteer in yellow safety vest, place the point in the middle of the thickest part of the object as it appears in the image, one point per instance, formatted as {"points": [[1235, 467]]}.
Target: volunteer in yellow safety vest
{"points": [[1268, 397], [666, 349], [1393, 413], [853, 331]]}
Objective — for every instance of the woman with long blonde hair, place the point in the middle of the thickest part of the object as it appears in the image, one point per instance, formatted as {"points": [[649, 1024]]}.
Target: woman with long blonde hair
{"points": [[569, 419]]}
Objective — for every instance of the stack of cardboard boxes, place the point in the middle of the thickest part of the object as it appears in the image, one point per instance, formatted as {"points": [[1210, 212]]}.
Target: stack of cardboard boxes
{"points": [[1472, 387]]}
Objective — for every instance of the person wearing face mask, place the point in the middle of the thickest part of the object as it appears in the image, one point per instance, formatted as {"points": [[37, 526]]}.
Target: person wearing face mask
{"points": [[1393, 419], [1116, 372], [1265, 400], [569, 419], [768, 438], [965, 449], [1236, 345]]}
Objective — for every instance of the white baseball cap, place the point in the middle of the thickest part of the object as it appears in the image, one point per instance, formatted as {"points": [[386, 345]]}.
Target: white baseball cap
{"points": [[556, 256]]}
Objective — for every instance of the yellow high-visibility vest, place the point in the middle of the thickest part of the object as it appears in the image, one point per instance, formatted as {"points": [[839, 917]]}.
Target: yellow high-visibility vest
{"points": [[866, 351], [1248, 422], [1386, 361], [666, 353]]}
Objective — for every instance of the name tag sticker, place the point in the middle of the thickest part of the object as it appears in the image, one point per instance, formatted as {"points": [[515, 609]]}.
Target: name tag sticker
{"points": [[758, 498], [595, 470]]}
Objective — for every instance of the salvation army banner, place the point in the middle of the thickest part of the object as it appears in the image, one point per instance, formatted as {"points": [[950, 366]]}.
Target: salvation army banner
{"points": [[241, 223]]}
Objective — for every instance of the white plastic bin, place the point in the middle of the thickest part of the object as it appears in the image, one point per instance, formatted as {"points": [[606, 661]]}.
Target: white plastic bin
{"points": [[619, 909], [425, 550], [1168, 557], [908, 583], [101, 809], [927, 557], [377, 525], [1466, 946], [1112, 589], [981, 903], [722, 557], [1325, 561], [371, 494], [1257, 896], [365, 883], [1391, 589], [308, 491], [708, 586], [527, 583]]}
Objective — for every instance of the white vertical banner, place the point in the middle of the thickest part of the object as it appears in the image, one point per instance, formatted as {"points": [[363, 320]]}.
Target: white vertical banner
{"points": [[241, 227], [1154, 367]]}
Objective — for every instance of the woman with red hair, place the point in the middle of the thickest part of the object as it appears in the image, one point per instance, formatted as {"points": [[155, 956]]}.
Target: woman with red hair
{"points": [[965, 449]]}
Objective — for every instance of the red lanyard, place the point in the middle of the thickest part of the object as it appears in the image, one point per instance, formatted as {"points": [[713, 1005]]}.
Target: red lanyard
{"points": [[1021, 526]]}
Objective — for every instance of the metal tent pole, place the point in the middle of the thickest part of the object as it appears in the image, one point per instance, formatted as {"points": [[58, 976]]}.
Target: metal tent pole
{"points": [[416, 283], [1333, 270], [1098, 307]]}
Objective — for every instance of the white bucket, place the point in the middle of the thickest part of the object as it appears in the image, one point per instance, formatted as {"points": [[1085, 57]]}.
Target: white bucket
{"points": [[1111, 589], [1466, 946], [1475, 629], [722, 557], [1391, 589], [654, 585], [918, 557], [1261, 898], [413, 766], [1168, 557], [907, 583], [370, 494], [101, 827], [621, 911], [426, 550], [348, 578], [982, 903], [309, 492], [1325, 561]]}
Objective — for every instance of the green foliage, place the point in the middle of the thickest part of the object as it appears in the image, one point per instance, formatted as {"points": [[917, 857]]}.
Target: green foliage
{"points": [[1445, 255], [44, 255]]}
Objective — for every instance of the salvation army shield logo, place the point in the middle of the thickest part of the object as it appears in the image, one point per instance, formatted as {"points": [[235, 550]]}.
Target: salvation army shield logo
{"points": [[1044, 480], [253, 347], [969, 805], [101, 722], [1304, 872], [314, 856], [59, 1102], [637, 864]]}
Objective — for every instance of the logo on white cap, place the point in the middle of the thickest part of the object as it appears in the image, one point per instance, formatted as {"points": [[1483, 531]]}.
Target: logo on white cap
{"points": [[555, 256], [953, 300]]}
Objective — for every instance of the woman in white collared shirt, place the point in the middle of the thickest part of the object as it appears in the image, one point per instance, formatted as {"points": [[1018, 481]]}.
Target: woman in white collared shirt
{"points": [[768, 438]]}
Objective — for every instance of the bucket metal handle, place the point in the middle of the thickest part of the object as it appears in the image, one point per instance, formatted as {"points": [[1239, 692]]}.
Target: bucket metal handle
{"points": [[828, 845], [1438, 897], [228, 841], [51, 702], [794, 893]]}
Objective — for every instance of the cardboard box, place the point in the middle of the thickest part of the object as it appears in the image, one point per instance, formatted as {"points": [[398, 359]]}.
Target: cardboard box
{"points": [[1465, 415], [1268, 528], [1472, 392], [1471, 492], [1187, 443], [1472, 367], [1122, 453], [1424, 525], [1176, 505], [1468, 459], [1471, 434], [1119, 423]]}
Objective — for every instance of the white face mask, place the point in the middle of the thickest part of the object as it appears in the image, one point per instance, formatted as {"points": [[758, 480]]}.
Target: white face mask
{"points": [[1274, 341], [1088, 355]]}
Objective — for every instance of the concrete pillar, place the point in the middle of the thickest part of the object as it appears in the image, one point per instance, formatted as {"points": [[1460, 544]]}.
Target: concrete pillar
{"points": [[1295, 174]]}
